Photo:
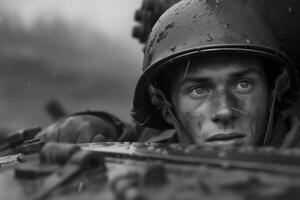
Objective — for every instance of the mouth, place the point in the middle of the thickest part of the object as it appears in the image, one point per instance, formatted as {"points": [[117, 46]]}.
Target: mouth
{"points": [[225, 137]]}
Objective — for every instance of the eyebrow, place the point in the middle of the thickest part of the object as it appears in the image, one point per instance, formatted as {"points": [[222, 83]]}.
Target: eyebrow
{"points": [[245, 72], [207, 80], [192, 79]]}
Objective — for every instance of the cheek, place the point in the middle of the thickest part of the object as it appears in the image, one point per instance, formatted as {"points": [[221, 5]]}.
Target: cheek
{"points": [[193, 114], [193, 109], [256, 107], [258, 104]]}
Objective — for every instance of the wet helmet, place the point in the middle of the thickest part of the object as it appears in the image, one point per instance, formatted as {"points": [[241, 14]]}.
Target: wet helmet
{"points": [[199, 27]]}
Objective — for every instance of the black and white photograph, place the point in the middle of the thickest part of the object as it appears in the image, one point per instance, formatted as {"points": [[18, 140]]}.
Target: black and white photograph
{"points": [[149, 99]]}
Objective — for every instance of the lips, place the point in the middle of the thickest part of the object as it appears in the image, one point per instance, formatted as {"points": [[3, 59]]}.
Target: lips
{"points": [[225, 137]]}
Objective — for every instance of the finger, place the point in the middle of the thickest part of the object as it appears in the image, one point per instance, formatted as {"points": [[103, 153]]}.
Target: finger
{"points": [[68, 131], [49, 134], [87, 131], [91, 126], [100, 138]]}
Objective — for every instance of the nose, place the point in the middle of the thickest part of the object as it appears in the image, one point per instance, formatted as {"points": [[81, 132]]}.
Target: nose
{"points": [[222, 108]]}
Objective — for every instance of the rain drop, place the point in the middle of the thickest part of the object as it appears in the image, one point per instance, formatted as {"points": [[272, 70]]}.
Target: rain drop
{"points": [[209, 38], [187, 150], [165, 152], [248, 41], [173, 48], [158, 150], [151, 148], [225, 25]]}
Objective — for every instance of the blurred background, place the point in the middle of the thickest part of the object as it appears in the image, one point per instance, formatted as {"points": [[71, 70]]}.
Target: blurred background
{"points": [[80, 53]]}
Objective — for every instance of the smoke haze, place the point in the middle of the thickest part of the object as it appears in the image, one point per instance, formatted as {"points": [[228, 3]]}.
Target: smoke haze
{"points": [[78, 52]]}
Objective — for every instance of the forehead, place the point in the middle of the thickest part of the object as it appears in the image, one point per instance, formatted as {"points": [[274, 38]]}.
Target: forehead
{"points": [[219, 65]]}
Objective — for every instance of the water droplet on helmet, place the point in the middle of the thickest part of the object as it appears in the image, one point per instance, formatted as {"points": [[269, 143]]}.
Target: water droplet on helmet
{"points": [[248, 41], [225, 25], [209, 38]]}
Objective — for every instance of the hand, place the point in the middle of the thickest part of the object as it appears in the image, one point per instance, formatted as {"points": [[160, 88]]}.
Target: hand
{"points": [[80, 129]]}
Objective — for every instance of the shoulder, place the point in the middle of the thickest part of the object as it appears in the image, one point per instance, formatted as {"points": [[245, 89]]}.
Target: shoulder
{"points": [[158, 135]]}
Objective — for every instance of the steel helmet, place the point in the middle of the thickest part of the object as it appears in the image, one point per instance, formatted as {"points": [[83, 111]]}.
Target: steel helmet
{"points": [[199, 27]]}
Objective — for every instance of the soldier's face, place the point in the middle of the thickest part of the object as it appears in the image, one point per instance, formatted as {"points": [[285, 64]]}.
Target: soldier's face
{"points": [[222, 101]]}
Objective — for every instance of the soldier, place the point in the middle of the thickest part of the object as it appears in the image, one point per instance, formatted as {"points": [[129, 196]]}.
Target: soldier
{"points": [[214, 73]]}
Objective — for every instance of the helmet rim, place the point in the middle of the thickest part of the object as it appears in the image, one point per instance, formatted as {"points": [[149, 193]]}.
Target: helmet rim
{"points": [[153, 118]]}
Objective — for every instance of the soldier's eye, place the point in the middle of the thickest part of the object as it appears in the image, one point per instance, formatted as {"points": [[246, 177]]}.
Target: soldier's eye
{"points": [[198, 92], [243, 86]]}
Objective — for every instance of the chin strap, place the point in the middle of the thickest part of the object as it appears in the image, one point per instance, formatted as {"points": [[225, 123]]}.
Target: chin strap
{"points": [[282, 84], [160, 101]]}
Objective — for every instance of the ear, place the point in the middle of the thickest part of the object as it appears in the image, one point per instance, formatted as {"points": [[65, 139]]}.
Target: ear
{"points": [[166, 115]]}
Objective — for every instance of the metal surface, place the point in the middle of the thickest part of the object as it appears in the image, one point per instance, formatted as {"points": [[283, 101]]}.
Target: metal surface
{"points": [[16, 139], [79, 162], [249, 158], [158, 171]]}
